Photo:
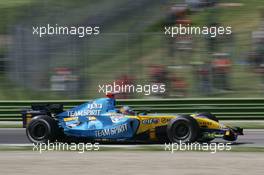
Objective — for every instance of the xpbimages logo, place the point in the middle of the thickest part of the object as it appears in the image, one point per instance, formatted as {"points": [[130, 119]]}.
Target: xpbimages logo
{"points": [[208, 147], [58, 146], [80, 31], [146, 89], [212, 31]]}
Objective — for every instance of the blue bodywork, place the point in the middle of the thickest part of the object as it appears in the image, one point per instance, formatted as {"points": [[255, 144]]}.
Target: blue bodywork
{"points": [[97, 119]]}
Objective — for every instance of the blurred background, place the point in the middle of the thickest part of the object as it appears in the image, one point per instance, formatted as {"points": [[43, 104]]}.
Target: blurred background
{"points": [[131, 48]]}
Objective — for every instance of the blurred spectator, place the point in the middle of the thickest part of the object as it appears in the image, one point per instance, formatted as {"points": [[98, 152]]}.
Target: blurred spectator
{"points": [[198, 4], [221, 71], [4, 43], [124, 80], [212, 42], [257, 57], [63, 80], [204, 77], [177, 15], [259, 52], [176, 85], [179, 87], [2, 63], [260, 70], [184, 43], [160, 75], [258, 43]]}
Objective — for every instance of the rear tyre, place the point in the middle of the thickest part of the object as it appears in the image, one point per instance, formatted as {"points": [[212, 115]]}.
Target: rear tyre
{"points": [[42, 129], [184, 129]]}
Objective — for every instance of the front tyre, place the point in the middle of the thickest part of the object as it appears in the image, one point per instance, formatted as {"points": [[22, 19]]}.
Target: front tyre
{"points": [[183, 129], [41, 129]]}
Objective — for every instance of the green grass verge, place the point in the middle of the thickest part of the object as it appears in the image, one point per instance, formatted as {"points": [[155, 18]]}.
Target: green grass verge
{"points": [[16, 148], [247, 149], [10, 125]]}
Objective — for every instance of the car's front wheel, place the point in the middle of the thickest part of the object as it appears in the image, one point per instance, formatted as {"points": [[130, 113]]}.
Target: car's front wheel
{"points": [[41, 129], [184, 129]]}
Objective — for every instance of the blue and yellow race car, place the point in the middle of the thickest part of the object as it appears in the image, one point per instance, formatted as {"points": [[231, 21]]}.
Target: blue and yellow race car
{"points": [[100, 120]]}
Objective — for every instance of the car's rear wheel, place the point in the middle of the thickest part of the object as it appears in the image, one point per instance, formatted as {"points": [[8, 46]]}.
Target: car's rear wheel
{"points": [[184, 129], [41, 129]]}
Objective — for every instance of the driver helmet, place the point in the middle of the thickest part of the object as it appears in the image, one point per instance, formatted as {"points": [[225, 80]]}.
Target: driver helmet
{"points": [[127, 110]]}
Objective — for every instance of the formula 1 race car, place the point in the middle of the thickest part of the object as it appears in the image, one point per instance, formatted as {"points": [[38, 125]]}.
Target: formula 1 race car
{"points": [[100, 120]]}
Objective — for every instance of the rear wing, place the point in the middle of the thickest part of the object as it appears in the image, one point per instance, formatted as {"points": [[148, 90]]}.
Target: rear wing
{"points": [[51, 108], [40, 109]]}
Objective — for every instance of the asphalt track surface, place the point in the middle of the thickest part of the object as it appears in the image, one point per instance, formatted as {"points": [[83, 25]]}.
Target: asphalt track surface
{"points": [[131, 162], [252, 138], [134, 163]]}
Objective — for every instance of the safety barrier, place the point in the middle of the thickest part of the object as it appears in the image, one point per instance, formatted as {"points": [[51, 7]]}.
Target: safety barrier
{"points": [[224, 108]]}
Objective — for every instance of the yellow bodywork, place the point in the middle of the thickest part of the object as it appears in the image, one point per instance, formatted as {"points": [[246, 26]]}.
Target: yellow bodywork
{"points": [[150, 123]]}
